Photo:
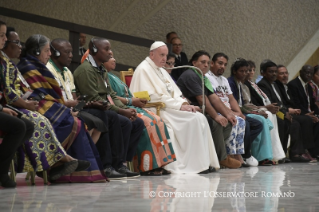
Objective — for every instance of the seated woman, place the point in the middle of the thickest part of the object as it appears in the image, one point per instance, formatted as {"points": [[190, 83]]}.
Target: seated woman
{"points": [[70, 130], [43, 150], [261, 147], [154, 149], [170, 63]]}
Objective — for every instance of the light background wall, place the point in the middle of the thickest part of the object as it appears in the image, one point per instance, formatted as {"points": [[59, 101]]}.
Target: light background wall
{"points": [[252, 29]]}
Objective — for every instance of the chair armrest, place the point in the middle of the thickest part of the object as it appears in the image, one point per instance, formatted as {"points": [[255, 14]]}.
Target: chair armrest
{"points": [[157, 105]]}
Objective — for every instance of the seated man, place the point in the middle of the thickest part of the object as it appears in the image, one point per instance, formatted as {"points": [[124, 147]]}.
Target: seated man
{"points": [[270, 89], [302, 128], [91, 79], [222, 88], [60, 58], [190, 84], [188, 129], [301, 95]]}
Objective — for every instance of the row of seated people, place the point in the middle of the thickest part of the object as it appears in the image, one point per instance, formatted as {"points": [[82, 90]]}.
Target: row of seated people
{"points": [[200, 145], [294, 102]]}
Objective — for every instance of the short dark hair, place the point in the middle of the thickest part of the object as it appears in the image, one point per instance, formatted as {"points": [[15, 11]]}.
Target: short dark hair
{"points": [[264, 66], [94, 41], [170, 55], [262, 63], [175, 39], [239, 62], [315, 69], [2, 23], [219, 54], [280, 66], [197, 55], [251, 63], [169, 34], [9, 30]]}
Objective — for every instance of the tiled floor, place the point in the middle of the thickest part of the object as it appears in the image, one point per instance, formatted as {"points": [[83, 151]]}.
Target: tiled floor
{"points": [[256, 189]]}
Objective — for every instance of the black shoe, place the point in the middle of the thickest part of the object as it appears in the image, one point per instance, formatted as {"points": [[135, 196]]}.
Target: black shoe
{"points": [[287, 160], [114, 175], [129, 173], [204, 172], [82, 165], [211, 169], [281, 161], [299, 158], [64, 169], [6, 182]]}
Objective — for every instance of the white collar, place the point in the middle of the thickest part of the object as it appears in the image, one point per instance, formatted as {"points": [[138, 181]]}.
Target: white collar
{"points": [[92, 61], [302, 82]]}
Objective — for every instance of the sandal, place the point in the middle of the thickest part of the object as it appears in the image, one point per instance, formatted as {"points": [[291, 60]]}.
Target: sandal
{"points": [[165, 172], [150, 173], [266, 163]]}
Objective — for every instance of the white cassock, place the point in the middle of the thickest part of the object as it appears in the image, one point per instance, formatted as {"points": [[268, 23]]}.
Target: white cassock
{"points": [[189, 132]]}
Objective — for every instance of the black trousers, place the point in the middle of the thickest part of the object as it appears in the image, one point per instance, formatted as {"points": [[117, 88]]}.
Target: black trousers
{"points": [[119, 144], [314, 151], [283, 130], [301, 135], [252, 130], [16, 132]]}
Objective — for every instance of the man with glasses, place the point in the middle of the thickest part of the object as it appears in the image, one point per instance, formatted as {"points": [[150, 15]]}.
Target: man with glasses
{"points": [[180, 57], [12, 46]]}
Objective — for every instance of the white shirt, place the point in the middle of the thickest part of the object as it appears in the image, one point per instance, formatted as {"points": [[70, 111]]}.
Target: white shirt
{"points": [[221, 87]]}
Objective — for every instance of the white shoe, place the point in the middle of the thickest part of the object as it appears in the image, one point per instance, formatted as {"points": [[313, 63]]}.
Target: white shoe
{"points": [[252, 161]]}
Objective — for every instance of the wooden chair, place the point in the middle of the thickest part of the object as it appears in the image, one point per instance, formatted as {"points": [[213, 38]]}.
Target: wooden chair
{"points": [[126, 77]]}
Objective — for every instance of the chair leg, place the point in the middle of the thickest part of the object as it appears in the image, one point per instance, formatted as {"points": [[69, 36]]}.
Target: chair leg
{"points": [[27, 177], [13, 172], [32, 174], [45, 177], [130, 165]]}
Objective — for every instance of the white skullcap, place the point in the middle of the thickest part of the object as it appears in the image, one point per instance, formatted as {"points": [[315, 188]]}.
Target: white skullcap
{"points": [[157, 44]]}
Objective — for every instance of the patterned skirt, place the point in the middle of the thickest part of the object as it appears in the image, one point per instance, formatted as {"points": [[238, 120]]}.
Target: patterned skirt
{"points": [[235, 142], [43, 149], [154, 149]]}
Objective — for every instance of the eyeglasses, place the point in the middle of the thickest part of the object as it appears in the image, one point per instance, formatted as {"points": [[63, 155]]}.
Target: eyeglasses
{"points": [[17, 42], [170, 63], [179, 45]]}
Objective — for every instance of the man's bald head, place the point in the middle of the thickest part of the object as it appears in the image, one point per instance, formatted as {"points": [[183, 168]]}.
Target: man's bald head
{"points": [[61, 52], [103, 47], [306, 73], [97, 42]]}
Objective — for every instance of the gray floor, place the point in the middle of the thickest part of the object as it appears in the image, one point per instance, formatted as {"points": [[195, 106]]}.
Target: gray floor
{"points": [[245, 189]]}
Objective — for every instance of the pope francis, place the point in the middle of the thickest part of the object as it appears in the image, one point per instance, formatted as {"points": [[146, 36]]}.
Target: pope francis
{"points": [[189, 130]]}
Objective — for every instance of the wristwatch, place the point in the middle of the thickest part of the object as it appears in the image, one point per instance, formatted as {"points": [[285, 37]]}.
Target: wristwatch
{"points": [[1, 107]]}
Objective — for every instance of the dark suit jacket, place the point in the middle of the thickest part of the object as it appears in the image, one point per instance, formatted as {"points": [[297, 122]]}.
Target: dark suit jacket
{"points": [[285, 99], [178, 72], [266, 87], [299, 98], [255, 98]]}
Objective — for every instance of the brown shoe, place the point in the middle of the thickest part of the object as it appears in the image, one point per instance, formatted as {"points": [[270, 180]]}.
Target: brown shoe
{"points": [[230, 163]]}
